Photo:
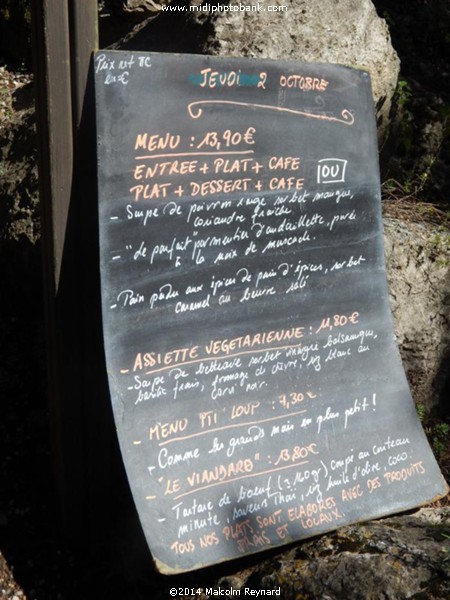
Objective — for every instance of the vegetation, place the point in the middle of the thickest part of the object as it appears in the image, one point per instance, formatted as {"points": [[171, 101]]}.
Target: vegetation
{"points": [[415, 163], [438, 434]]}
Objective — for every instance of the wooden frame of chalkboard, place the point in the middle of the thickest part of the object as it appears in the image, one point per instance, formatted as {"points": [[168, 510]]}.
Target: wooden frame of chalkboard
{"points": [[257, 388]]}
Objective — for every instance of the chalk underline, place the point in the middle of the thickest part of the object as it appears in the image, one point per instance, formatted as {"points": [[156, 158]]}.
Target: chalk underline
{"points": [[224, 357], [227, 152]]}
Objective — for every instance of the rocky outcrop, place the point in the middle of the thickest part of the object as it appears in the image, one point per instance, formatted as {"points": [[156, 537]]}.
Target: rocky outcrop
{"points": [[143, 6], [9, 589], [394, 559], [418, 268], [20, 260], [348, 32], [19, 203]]}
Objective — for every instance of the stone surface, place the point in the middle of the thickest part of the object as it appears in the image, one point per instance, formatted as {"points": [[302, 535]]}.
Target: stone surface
{"points": [[347, 32], [19, 203], [418, 268], [394, 559], [20, 260], [9, 589], [143, 6]]}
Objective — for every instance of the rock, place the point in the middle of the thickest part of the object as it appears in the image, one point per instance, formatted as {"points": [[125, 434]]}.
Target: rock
{"points": [[395, 558], [8, 587], [348, 32], [19, 203], [418, 268], [143, 6], [20, 260]]}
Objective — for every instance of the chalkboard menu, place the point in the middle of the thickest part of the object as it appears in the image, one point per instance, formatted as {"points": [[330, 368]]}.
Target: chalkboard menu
{"points": [[256, 385]]}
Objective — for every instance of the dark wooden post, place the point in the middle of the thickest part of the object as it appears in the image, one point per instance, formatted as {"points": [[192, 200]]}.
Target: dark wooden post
{"points": [[84, 39], [65, 34], [54, 123], [55, 151]]}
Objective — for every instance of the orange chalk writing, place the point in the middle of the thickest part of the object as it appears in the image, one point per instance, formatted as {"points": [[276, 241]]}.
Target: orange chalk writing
{"points": [[164, 430], [303, 83], [405, 473], [157, 142]]}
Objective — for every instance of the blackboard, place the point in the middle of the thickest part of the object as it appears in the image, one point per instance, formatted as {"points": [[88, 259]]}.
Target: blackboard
{"points": [[256, 385]]}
